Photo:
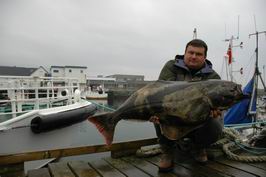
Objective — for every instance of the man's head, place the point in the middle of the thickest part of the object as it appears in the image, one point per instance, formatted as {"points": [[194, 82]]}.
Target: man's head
{"points": [[195, 54]]}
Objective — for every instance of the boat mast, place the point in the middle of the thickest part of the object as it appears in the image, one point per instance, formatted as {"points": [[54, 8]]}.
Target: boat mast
{"points": [[195, 33], [229, 66], [264, 73], [256, 75]]}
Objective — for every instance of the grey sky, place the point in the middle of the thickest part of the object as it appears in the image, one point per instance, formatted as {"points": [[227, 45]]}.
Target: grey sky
{"points": [[125, 36]]}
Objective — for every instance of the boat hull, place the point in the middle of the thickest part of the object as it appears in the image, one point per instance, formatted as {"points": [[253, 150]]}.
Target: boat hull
{"points": [[58, 129]]}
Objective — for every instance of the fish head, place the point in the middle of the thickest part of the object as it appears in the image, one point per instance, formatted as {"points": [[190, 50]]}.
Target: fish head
{"points": [[223, 94]]}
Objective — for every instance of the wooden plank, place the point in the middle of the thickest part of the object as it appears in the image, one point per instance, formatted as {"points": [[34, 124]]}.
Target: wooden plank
{"points": [[11, 169], [243, 166], [105, 169], [14, 174], [42, 172], [178, 170], [57, 153], [261, 165], [228, 170], [123, 153], [147, 167], [60, 170], [126, 168], [201, 168], [82, 169]]}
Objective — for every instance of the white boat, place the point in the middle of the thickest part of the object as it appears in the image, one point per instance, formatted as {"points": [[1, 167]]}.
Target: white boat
{"points": [[98, 94], [41, 113]]}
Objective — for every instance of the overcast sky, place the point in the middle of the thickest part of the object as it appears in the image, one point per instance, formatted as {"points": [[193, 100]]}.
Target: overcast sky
{"points": [[126, 36]]}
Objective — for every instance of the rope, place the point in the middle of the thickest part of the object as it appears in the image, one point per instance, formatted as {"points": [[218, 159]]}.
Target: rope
{"points": [[252, 150], [232, 141], [149, 151], [17, 127], [244, 124], [242, 158], [100, 105]]}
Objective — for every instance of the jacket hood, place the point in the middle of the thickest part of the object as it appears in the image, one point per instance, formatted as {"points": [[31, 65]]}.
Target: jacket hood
{"points": [[181, 64]]}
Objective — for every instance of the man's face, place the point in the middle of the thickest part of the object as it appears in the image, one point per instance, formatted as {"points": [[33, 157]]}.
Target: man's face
{"points": [[194, 57]]}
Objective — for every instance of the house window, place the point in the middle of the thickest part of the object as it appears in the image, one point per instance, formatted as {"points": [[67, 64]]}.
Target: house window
{"points": [[56, 71], [70, 70], [81, 71]]}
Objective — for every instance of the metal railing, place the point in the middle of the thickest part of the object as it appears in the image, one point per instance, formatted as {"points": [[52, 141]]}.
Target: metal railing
{"points": [[38, 92]]}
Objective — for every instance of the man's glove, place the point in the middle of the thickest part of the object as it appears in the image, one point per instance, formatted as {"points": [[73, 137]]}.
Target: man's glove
{"points": [[154, 119], [215, 113]]}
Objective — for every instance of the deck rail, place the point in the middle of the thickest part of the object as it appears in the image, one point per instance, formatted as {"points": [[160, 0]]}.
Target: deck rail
{"points": [[126, 147], [16, 92]]}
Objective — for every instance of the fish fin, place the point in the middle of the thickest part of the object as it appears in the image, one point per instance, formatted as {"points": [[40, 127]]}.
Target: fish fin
{"points": [[105, 125]]}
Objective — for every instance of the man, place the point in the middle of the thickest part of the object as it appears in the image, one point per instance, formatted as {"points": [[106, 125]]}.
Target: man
{"points": [[193, 65]]}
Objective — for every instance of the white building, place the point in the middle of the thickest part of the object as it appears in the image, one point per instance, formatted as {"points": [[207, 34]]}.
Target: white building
{"points": [[9, 73], [70, 71]]}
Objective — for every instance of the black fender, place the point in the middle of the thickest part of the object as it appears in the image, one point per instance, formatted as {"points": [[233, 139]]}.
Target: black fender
{"points": [[61, 119]]}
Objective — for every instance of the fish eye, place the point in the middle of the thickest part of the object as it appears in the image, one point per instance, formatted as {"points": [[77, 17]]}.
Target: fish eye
{"points": [[232, 90]]}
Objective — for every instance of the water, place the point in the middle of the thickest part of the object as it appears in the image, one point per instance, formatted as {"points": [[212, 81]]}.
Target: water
{"points": [[88, 135], [125, 131]]}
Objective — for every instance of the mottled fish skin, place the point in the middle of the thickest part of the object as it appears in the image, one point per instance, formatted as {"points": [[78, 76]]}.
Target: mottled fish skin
{"points": [[189, 101], [180, 105]]}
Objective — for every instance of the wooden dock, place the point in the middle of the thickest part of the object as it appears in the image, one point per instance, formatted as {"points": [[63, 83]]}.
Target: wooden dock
{"points": [[148, 167], [132, 166]]}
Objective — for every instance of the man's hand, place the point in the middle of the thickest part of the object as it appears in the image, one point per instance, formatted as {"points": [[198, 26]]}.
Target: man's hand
{"points": [[154, 119], [215, 113]]}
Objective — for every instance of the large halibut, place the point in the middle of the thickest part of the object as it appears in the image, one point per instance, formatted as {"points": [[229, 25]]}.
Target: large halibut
{"points": [[181, 106]]}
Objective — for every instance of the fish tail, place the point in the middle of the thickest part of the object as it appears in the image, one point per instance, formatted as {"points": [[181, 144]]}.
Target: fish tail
{"points": [[105, 125]]}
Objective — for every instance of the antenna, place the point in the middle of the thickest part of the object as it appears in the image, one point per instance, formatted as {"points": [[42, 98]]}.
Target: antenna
{"points": [[225, 30], [195, 33], [255, 24], [238, 26]]}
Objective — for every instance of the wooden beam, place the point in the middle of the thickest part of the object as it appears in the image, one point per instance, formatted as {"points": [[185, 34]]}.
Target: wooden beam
{"points": [[12, 170], [57, 153]]}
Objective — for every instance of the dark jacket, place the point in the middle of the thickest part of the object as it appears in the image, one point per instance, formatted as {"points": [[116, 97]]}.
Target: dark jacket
{"points": [[176, 70]]}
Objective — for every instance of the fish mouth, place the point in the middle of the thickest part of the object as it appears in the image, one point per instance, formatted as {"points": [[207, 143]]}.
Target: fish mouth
{"points": [[237, 98], [243, 96]]}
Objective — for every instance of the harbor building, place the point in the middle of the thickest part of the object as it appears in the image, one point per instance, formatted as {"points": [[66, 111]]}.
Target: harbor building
{"points": [[117, 82], [70, 71], [106, 83], [78, 72], [126, 77], [8, 73], [23, 71]]}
